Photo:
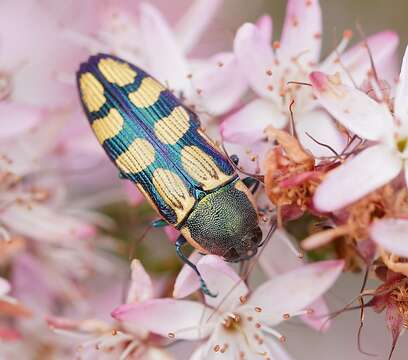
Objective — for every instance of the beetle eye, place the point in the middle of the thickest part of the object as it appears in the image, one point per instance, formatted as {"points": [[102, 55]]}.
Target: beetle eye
{"points": [[231, 254]]}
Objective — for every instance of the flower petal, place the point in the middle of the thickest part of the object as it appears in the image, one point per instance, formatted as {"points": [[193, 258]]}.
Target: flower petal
{"points": [[357, 177], [277, 351], [247, 124], [351, 107], [141, 287], [265, 26], [320, 126], [18, 118], [255, 57], [401, 96], [391, 234], [158, 39], [301, 33], [4, 287], [45, 224], [382, 45], [195, 21], [395, 323], [277, 257], [295, 290], [318, 320], [185, 319], [219, 82], [187, 280], [222, 280]]}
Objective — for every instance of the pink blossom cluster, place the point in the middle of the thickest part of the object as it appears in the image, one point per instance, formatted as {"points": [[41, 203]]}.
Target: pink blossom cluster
{"points": [[327, 138]]}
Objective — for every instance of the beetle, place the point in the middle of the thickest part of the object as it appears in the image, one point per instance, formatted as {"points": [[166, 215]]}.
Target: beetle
{"points": [[157, 142]]}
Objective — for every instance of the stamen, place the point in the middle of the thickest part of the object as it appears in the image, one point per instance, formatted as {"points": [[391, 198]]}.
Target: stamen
{"points": [[334, 56], [299, 313], [243, 299], [274, 333], [224, 348], [132, 346], [276, 45], [297, 252]]}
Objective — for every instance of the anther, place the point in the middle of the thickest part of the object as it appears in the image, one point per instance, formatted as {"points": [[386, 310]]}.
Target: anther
{"points": [[243, 299], [224, 348], [171, 335], [258, 309], [282, 339], [276, 45], [269, 72], [220, 64], [114, 332], [217, 348], [348, 34]]}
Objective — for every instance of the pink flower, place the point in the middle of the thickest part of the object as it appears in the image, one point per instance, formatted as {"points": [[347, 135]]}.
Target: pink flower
{"points": [[211, 86], [391, 234], [268, 70], [278, 257], [119, 340], [33, 54], [369, 120], [235, 322]]}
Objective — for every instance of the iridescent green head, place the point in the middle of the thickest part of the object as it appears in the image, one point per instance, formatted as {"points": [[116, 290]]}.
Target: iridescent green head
{"points": [[225, 223]]}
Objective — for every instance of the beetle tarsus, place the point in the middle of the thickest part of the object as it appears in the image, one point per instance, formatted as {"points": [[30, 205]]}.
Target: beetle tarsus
{"points": [[180, 242], [159, 223], [251, 182]]}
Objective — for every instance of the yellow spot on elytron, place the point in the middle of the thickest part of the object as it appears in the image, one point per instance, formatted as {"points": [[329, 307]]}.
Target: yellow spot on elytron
{"points": [[202, 168], [171, 128], [139, 155], [147, 93], [173, 191], [109, 126], [92, 92], [116, 72]]}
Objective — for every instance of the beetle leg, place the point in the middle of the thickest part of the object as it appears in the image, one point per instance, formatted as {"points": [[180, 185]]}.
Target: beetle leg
{"points": [[251, 182], [159, 223], [122, 176], [180, 242]]}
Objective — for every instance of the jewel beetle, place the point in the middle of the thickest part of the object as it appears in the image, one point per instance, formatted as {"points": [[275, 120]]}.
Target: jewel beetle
{"points": [[157, 142]]}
